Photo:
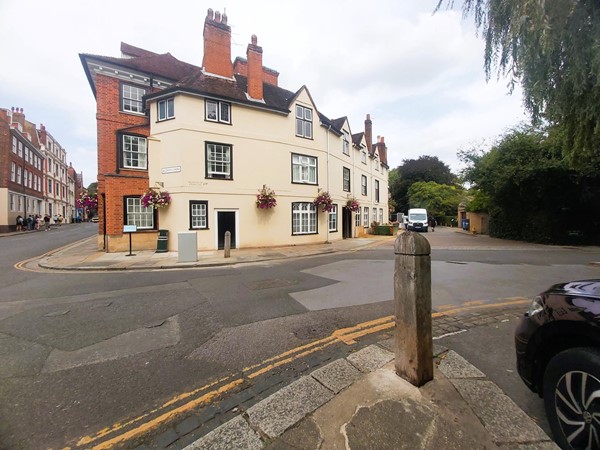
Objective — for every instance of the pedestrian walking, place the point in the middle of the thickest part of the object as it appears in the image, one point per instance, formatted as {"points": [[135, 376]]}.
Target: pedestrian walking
{"points": [[432, 224], [38, 221], [19, 222], [60, 220], [47, 222]]}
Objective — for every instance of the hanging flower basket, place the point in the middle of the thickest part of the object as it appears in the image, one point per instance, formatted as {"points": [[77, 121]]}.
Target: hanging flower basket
{"points": [[353, 205], [154, 198], [266, 198], [324, 201]]}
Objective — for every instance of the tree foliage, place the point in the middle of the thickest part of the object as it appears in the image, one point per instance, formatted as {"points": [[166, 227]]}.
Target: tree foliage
{"points": [[425, 168], [532, 192], [439, 199], [552, 48]]}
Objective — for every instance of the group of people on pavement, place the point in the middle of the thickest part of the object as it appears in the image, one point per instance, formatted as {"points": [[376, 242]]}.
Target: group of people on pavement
{"points": [[37, 222]]}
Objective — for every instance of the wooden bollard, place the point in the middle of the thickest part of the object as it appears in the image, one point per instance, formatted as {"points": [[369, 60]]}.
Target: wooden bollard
{"points": [[412, 304], [227, 249]]}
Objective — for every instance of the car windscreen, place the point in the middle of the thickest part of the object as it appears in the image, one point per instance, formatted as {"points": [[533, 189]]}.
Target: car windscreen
{"points": [[414, 217]]}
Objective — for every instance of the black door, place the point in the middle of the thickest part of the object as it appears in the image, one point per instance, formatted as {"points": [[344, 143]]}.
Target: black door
{"points": [[346, 223], [226, 222]]}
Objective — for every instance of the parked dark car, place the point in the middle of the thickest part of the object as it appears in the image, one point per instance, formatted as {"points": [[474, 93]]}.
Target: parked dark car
{"points": [[558, 357]]}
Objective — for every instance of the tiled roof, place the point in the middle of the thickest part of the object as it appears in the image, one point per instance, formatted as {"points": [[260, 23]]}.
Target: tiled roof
{"points": [[357, 138], [235, 89], [130, 50], [165, 65], [338, 123]]}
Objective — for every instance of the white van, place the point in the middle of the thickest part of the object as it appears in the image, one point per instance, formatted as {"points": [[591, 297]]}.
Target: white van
{"points": [[417, 220]]}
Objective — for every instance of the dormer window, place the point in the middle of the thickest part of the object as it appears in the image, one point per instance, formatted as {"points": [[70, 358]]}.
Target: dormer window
{"points": [[131, 99], [217, 111], [304, 122]]}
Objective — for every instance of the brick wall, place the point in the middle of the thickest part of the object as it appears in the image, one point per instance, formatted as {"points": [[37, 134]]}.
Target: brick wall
{"points": [[114, 182]]}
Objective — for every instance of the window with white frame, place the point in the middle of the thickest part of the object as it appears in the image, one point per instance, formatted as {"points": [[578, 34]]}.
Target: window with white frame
{"points": [[12, 202], [304, 218], [136, 214], [218, 161], [135, 153], [377, 190], [363, 157], [166, 109], [14, 145], [304, 169], [333, 219], [131, 99], [13, 171], [346, 178], [374, 216], [50, 186], [26, 154], [363, 184], [217, 111], [381, 216], [304, 122], [357, 219], [19, 173], [346, 143], [365, 216], [20, 149], [198, 214]]}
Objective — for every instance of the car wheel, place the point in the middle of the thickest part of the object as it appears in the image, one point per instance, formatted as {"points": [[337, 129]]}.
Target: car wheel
{"points": [[572, 398]]}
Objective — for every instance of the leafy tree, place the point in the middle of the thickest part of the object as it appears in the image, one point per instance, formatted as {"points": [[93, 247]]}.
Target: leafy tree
{"points": [[532, 192], [93, 188], [439, 199], [552, 48], [425, 168]]}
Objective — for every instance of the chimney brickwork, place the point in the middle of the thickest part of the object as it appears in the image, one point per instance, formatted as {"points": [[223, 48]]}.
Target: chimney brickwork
{"points": [[255, 69], [217, 45]]}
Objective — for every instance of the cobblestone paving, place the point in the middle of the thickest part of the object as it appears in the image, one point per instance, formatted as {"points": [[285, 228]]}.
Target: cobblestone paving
{"points": [[185, 430]]}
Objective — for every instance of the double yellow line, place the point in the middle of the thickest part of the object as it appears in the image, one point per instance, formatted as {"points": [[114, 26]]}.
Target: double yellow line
{"points": [[188, 401]]}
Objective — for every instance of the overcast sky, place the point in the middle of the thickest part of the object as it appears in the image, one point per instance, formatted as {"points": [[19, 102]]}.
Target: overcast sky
{"points": [[419, 75]]}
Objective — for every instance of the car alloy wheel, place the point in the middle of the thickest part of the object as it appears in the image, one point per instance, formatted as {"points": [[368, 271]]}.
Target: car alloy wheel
{"points": [[572, 398]]}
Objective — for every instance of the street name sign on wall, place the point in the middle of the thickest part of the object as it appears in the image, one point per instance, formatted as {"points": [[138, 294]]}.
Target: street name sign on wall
{"points": [[173, 169]]}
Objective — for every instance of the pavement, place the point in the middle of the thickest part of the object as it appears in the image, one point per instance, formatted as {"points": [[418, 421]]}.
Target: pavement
{"points": [[356, 402]]}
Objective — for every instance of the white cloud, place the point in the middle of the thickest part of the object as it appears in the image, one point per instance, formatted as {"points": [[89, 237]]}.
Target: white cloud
{"points": [[419, 75]]}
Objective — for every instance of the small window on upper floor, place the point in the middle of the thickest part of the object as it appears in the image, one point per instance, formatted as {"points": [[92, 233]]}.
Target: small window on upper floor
{"points": [[217, 111], [166, 109], [304, 122], [131, 99], [346, 143], [363, 157]]}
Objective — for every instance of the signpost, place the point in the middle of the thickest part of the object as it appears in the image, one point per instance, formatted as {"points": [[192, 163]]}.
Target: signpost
{"points": [[130, 229]]}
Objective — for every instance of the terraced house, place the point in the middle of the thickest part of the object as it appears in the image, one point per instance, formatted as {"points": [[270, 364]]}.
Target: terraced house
{"points": [[216, 136]]}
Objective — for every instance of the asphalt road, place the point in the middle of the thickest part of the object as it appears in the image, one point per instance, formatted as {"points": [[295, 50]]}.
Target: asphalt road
{"points": [[84, 351]]}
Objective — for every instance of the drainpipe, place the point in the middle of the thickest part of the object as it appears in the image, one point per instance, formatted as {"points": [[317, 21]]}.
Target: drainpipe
{"points": [[327, 184]]}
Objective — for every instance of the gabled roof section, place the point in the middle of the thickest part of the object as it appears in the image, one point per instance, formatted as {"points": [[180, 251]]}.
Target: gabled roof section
{"points": [[358, 138], [274, 97], [338, 124]]}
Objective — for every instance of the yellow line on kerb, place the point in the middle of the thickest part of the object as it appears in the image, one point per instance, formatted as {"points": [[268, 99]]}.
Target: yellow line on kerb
{"points": [[346, 335]]}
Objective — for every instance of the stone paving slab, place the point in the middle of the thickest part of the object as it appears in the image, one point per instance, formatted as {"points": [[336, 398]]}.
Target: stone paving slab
{"points": [[235, 434], [503, 419], [452, 365], [370, 358], [286, 407], [337, 375]]}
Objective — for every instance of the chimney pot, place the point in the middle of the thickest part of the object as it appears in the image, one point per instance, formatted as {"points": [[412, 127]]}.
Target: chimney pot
{"points": [[217, 16], [210, 14], [224, 18], [254, 39]]}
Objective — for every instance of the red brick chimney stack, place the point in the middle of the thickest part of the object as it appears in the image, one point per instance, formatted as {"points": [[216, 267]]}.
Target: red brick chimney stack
{"points": [[369, 133], [217, 45], [18, 117], [43, 136], [255, 69]]}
